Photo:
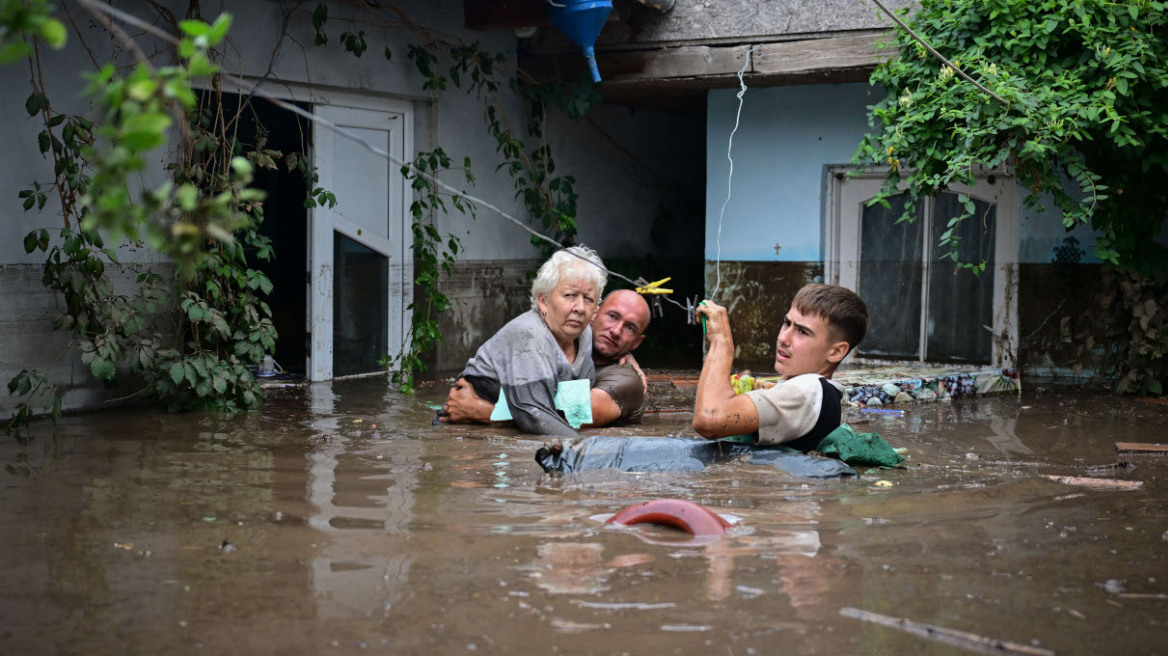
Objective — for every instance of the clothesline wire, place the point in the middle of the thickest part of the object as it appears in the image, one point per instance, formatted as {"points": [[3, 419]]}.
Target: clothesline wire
{"points": [[244, 85]]}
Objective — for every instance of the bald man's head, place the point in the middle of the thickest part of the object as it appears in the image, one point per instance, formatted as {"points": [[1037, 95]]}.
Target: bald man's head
{"points": [[619, 326]]}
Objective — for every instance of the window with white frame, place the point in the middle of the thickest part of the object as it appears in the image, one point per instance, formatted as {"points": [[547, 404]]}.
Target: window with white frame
{"points": [[923, 306]]}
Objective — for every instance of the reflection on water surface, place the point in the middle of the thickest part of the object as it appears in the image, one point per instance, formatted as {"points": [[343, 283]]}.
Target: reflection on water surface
{"points": [[339, 518]]}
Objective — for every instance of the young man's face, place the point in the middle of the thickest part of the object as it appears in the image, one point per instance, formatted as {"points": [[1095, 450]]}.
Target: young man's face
{"points": [[804, 346]]}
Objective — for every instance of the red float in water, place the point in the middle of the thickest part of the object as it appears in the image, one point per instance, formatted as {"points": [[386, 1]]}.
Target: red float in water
{"points": [[685, 515]]}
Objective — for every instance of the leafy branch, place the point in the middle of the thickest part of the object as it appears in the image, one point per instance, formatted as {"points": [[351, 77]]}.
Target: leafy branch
{"points": [[188, 341]]}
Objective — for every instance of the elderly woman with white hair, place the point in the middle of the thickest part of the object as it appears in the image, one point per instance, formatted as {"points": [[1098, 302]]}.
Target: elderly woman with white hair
{"points": [[544, 346]]}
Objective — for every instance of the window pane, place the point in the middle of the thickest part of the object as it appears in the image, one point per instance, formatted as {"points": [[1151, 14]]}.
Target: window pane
{"points": [[960, 303], [890, 280], [360, 307]]}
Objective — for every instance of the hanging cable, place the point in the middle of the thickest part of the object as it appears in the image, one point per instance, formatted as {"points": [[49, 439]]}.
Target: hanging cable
{"points": [[730, 177]]}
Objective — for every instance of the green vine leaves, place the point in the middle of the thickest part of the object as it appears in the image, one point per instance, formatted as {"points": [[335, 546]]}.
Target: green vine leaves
{"points": [[433, 257], [175, 219], [20, 19], [1085, 84], [1085, 123], [186, 342]]}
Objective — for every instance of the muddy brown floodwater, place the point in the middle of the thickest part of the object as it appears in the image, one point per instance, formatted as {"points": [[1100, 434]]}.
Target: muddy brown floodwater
{"points": [[338, 520]]}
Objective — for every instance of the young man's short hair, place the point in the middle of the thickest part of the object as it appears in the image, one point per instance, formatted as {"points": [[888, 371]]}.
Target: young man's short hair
{"points": [[844, 311]]}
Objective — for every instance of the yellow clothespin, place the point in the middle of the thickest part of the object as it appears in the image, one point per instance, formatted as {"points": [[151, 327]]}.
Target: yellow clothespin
{"points": [[653, 287]]}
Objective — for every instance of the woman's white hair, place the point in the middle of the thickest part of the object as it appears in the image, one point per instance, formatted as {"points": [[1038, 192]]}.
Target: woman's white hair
{"points": [[577, 264]]}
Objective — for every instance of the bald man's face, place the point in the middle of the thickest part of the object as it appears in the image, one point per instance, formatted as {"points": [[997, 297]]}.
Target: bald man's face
{"points": [[619, 325]]}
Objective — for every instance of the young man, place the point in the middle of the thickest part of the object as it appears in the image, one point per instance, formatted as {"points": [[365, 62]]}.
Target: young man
{"points": [[824, 324], [619, 393]]}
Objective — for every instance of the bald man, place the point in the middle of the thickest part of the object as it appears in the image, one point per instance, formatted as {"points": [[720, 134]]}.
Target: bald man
{"points": [[617, 330]]}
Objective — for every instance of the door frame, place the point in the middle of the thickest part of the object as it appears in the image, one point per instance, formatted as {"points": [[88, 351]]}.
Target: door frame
{"points": [[324, 221], [318, 279], [842, 244]]}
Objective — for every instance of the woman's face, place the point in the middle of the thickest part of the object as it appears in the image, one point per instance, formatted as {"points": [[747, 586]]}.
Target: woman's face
{"points": [[568, 309]]}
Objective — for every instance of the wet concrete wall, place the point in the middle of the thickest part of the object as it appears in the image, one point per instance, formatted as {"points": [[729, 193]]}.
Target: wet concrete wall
{"points": [[757, 296], [484, 295], [1053, 302]]}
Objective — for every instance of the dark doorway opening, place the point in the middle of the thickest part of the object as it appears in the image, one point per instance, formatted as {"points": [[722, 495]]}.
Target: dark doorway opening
{"points": [[263, 124]]}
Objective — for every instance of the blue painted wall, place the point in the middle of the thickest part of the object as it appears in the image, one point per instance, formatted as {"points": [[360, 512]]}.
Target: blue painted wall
{"points": [[785, 137]]}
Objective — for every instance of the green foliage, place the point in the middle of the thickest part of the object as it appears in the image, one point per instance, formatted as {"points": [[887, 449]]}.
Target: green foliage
{"points": [[175, 219], [433, 255], [549, 199], [186, 342], [354, 43], [1086, 85], [1125, 335], [22, 19], [1085, 123], [29, 384], [319, 18]]}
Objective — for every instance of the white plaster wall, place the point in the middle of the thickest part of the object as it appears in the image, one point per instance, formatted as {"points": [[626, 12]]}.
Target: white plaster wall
{"points": [[457, 122]]}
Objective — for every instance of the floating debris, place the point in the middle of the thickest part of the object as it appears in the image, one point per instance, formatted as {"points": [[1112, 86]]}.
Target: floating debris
{"points": [[1096, 483], [624, 606], [962, 639], [1140, 447], [882, 411]]}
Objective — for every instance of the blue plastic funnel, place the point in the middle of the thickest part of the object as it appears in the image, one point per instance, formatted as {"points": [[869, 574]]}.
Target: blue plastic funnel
{"points": [[582, 21]]}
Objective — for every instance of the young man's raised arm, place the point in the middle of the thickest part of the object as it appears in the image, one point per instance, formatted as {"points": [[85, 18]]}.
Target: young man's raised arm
{"points": [[718, 411]]}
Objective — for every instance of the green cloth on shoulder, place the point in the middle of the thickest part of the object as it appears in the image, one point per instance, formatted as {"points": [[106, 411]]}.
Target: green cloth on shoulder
{"points": [[863, 449]]}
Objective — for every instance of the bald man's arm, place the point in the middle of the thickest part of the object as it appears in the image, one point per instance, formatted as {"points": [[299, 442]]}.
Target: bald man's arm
{"points": [[464, 406], [604, 409]]}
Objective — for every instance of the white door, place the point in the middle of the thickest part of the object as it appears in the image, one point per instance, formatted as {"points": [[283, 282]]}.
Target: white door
{"points": [[922, 305], [360, 262]]}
